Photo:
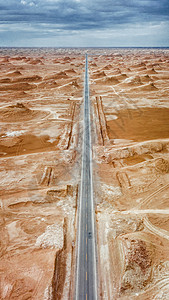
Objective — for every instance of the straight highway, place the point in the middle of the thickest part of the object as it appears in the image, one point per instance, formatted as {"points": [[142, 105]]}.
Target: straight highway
{"points": [[86, 275]]}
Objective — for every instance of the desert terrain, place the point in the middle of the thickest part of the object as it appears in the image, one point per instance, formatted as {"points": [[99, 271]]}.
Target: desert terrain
{"points": [[41, 104], [129, 90], [40, 96]]}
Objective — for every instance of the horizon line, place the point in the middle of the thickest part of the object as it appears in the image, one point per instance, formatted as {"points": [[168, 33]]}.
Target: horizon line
{"points": [[87, 47]]}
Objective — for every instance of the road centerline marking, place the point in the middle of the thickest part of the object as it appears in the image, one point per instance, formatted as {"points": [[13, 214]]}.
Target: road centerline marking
{"points": [[86, 210]]}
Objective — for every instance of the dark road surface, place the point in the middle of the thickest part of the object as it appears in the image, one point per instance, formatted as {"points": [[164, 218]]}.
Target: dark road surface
{"points": [[86, 277]]}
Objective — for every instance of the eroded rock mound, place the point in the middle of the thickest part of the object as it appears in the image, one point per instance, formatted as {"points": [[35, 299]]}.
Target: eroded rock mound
{"points": [[108, 80], [146, 78], [18, 112], [138, 265], [5, 80], [162, 165], [134, 80], [15, 74], [23, 86], [151, 71], [59, 75], [70, 71], [149, 87], [33, 78], [98, 74]]}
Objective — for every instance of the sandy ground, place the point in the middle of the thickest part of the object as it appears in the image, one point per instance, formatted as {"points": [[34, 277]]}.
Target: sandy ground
{"points": [[41, 93], [131, 157], [40, 97]]}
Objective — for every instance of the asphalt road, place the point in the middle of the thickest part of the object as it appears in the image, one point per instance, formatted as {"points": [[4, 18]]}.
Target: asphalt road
{"points": [[86, 277]]}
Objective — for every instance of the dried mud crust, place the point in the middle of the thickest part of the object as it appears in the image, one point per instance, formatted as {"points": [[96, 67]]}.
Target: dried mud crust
{"points": [[140, 124], [26, 143]]}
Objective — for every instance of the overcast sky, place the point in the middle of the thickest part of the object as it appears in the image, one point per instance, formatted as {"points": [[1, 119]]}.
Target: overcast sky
{"points": [[84, 23]]}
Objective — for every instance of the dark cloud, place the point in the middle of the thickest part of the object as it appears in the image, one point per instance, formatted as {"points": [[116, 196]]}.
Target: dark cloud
{"points": [[80, 15]]}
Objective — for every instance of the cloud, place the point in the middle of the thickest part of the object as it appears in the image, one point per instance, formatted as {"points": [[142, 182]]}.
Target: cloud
{"points": [[81, 16], [28, 3]]}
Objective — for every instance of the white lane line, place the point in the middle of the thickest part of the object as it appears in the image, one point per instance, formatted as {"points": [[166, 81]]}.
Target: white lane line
{"points": [[80, 198], [92, 204], [80, 202]]}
